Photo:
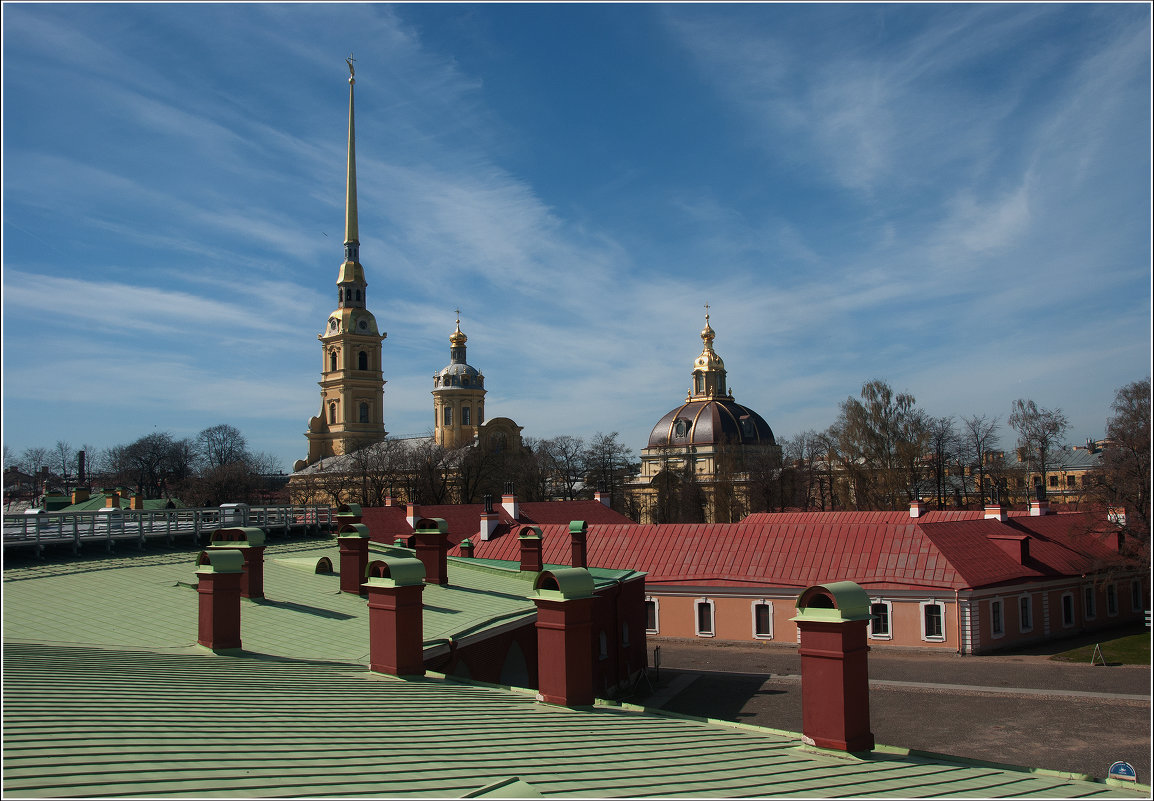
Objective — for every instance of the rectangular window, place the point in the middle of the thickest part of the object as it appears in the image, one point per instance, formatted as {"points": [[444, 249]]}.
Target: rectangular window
{"points": [[997, 624], [704, 618], [1025, 614], [1068, 609], [465, 416], [763, 620], [651, 615], [880, 620], [1088, 602], [1053, 481], [448, 415], [1111, 600], [933, 622], [1136, 595], [1071, 482]]}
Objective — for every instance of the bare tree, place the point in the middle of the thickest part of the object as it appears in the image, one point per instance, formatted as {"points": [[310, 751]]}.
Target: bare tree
{"points": [[608, 466], [64, 458], [35, 459], [881, 439], [945, 445], [1040, 434], [221, 445], [1123, 476], [564, 459], [978, 440]]}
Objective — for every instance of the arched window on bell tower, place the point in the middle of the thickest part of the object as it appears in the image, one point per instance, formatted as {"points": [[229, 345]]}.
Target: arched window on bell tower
{"points": [[333, 413], [364, 411], [332, 361], [362, 361]]}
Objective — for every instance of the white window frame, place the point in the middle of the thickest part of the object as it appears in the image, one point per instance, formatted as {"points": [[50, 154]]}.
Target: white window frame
{"points": [[922, 606], [656, 615], [1089, 603], [889, 635], [753, 619], [1000, 631], [1112, 600], [697, 617], [1026, 623], [1073, 612]]}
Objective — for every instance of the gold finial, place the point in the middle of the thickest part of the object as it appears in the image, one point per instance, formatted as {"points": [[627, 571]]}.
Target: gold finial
{"points": [[352, 72]]}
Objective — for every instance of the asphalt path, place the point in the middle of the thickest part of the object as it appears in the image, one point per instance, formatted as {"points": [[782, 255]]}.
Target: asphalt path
{"points": [[1021, 709]]}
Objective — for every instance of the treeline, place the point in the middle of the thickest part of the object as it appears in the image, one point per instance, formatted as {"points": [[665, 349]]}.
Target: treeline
{"points": [[216, 466], [420, 471], [883, 451]]}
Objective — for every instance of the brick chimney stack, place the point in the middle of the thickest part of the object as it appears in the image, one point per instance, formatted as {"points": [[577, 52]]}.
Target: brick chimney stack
{"points": [[432, 546], [509, 502], [396, 616], [489, 520], [530, 538], [577, 532]]}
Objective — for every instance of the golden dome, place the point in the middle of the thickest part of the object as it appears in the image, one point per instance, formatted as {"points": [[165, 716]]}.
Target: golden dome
{"points": [[457, 338]]}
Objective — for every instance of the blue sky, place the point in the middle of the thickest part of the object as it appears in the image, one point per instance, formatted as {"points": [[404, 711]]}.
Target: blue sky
{"points": [[952, 197]]}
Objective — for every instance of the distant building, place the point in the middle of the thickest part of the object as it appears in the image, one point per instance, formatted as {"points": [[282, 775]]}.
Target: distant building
{"points": [[707, 446]]}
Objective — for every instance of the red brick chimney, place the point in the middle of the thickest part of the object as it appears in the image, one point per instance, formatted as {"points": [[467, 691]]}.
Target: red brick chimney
{"points": [[831, 621], [250, 543], [564, 601], [1039, 507], [396, 625], [917, 508], [577, 532], [412, 515], [530, 537], [353, 539], [467, 548], [432, 546], [219, 574]]}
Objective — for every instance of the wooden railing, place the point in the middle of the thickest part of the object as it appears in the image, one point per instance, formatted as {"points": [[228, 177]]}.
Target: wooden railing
{"points": [[109, 526]]}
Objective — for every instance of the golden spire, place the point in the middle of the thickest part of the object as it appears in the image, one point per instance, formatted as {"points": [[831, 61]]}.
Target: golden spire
{"points": [[351, 233]]}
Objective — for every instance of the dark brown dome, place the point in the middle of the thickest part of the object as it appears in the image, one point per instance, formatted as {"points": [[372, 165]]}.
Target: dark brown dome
{"points": [[711, 422]]}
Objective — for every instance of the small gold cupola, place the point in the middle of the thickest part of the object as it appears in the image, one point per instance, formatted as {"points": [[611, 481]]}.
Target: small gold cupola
{"points": [[708, 368]]}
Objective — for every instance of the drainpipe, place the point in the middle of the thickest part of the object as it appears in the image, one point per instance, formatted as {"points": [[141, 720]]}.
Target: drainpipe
{"points": [[958, 616]]}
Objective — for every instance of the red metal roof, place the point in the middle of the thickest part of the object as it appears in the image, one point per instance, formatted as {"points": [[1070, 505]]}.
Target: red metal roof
{"points": [[879, 550], [464, 519]]}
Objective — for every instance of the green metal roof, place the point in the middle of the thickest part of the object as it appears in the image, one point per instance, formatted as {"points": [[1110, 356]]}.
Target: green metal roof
{"points": [[106, 693]]}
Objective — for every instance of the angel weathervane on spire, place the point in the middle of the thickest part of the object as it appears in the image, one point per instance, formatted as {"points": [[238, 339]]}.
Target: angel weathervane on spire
{"points": [[352, 72]]}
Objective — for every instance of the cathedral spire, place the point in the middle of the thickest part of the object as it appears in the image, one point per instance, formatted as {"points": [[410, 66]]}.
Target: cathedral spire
{"points": [[351, 281], [351, 233]]}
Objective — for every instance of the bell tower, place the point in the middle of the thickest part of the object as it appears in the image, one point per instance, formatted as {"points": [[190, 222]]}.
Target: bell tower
{"points": [[458, 397], [352, 384]]}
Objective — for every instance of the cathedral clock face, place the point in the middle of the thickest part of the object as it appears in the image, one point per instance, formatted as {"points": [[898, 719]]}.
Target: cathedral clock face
{"points": [[362, 325]]}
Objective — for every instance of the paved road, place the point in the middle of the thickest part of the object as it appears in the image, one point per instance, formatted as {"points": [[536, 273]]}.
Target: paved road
{"points": [[1021, 709]]}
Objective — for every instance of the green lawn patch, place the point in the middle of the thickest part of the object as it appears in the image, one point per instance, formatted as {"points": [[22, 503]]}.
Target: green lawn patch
{"points": [[1131, 649]]}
